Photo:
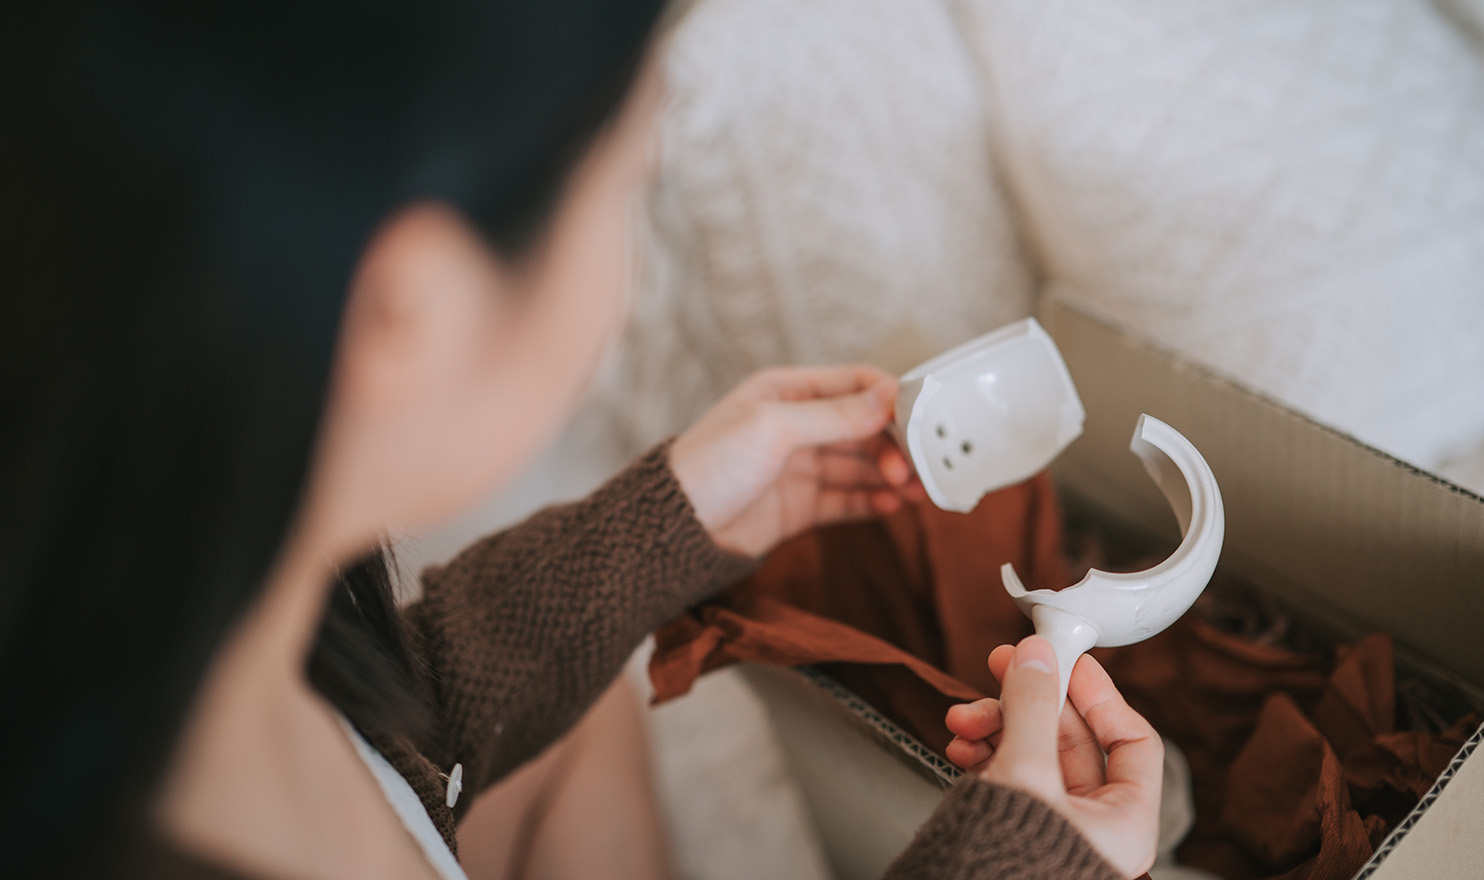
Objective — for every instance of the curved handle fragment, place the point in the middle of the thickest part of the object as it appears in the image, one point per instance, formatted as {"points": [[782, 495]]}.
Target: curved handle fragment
{"points": [[1107, 609]]}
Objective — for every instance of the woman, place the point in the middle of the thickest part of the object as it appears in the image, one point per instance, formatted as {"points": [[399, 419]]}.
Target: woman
{"points": [[287, 277]]}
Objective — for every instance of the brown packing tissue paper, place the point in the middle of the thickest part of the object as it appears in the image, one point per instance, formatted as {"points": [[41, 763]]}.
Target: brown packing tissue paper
{"points": [[1297, 766]]}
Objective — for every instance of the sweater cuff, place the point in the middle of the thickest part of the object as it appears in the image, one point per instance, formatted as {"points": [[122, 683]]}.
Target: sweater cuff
{"points": [[986, 830], [696, 568]]}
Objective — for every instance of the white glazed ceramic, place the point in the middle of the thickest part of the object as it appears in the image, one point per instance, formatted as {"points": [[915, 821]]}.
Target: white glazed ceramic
{"points": [[1106, 610], [988, 414]]}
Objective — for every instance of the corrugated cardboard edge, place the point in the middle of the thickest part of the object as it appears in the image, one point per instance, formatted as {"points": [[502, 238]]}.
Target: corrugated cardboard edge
{"points": [[1437, 809], [935, 768], [868, 786]]}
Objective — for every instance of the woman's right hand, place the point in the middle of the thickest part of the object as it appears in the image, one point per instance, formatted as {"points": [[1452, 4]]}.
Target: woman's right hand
{"points": [[1018, 741]]}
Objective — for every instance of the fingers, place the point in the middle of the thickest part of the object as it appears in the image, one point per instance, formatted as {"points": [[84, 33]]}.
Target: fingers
{"points": [[893, 465], [822, 405], [849, 470], [872, 465], [1135, 751], [803, 383], [843, 503], [1083, 766], [969, 754], [999, 661], [980, 719], [889, 463], [823, 421], [842, 406], [1082, 762], [1120, 817], [976, 727], [1027, 754], [885, 503], [840, 505]]}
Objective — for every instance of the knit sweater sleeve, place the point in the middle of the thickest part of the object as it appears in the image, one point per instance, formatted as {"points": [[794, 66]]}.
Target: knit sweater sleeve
{"points": [[986, 830], [526, 628]]}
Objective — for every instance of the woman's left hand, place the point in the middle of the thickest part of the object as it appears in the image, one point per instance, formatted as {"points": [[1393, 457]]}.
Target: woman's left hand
{"points": [[791, 448], [1023, 741]]}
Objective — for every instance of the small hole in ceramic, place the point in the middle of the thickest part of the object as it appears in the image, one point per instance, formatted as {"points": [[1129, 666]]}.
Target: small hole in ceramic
{"points": [[947, 462], [942, 431], [967, 447]]}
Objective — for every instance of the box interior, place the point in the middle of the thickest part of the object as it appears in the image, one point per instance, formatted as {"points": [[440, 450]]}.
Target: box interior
{"points": [[1350, 539]]}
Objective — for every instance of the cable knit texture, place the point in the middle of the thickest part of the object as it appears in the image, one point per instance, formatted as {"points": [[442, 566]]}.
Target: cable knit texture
{"points": [[524, 630], [824, 194], [1290, 193], [984, 830]]}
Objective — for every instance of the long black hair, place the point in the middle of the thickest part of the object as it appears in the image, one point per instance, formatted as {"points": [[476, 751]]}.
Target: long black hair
{"points": [[184, 191]]}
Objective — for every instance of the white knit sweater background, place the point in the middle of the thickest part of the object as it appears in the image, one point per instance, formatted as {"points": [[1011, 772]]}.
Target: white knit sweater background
{"points": [[1289, 192], [825, 194]]}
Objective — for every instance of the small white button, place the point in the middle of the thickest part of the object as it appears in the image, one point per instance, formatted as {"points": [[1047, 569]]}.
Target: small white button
{"points": [[455, 784]]}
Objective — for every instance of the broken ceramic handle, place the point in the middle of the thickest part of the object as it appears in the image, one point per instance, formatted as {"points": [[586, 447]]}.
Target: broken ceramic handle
{"points": [[1106, 610]]}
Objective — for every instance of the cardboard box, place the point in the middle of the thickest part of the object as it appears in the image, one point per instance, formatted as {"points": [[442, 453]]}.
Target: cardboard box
{"points": [[1350, 539]]}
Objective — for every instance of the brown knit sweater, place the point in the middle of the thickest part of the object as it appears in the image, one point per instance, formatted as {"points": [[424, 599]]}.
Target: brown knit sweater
{"points": [[525, 629]]}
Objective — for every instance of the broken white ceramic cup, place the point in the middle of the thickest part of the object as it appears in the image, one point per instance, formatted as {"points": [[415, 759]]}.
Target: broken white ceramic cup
{"points": [[1107, 610], [987, 414]]}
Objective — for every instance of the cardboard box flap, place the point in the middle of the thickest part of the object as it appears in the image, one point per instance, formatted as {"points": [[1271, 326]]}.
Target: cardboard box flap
{"points": [[1330, 524]]}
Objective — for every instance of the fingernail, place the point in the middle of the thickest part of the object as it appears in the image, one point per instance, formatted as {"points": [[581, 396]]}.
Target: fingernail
{"points": [[1034, 652]]}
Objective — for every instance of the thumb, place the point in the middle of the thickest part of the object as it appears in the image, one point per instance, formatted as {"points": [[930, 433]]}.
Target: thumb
{"points": [[840, 419], [1027, 755]]}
